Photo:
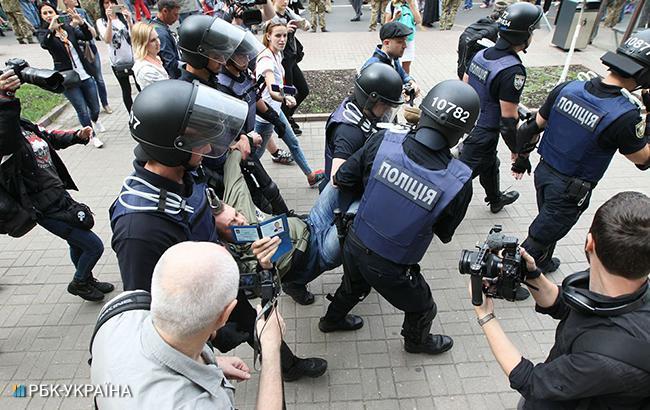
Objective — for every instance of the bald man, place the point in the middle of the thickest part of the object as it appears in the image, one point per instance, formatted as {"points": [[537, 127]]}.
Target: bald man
{"points": [[161, 354]]}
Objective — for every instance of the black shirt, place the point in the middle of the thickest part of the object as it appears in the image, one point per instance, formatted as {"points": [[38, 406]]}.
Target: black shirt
{"points": [[140, 238], [566, 376], [509, 83], [348, 139], [352, 177], [622, 133], [189, 77]]}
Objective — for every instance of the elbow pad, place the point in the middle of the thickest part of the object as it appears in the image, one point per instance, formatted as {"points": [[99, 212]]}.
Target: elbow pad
{"points": [[508, 129], [528, 135]]}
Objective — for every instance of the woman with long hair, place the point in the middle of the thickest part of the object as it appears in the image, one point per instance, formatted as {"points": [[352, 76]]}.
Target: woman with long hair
{"points": [[61, 40], [148, 67], [114, 28], [269, 66]]}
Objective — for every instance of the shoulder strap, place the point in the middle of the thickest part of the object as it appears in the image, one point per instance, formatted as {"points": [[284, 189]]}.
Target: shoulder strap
{"points": [[136, 300], [621, 347]]}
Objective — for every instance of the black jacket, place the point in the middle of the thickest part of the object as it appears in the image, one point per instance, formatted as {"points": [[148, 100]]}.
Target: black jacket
{"points": [[19, 162], [570, 379], [57, 49]]}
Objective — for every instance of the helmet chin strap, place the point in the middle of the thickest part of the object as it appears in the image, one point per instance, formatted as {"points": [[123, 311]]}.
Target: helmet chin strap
{"points": [[353, 114]]}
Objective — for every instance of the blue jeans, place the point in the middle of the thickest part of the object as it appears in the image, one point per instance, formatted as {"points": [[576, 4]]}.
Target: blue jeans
{"points": [[468, 4], [289, 138], [324, 252], [99, 79], [84, 100], [85, 247]]}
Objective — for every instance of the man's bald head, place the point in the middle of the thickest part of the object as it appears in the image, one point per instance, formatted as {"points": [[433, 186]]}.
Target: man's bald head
{"points": [[192, 284]]}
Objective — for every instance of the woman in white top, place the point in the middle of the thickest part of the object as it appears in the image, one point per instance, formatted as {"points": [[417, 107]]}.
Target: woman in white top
{"points": [[148, 68], [269, 66], [114, 28]]}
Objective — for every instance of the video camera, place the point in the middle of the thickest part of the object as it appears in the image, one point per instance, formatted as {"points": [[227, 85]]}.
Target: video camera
{"points": [[49, 80], [264, 284], [245, 10], [504, 274]]}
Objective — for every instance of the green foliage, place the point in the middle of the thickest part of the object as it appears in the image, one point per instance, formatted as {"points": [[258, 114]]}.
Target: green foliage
{"points": [[36, 102], [541, 80]]}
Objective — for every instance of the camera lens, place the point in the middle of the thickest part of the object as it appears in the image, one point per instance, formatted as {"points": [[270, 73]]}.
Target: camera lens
{"points": [[49, 80], [465, 261]]}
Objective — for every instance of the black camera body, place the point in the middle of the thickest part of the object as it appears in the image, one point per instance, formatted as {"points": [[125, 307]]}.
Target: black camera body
{"points": [[247, 11], [49, 80], [503, 274], [264, 284]]}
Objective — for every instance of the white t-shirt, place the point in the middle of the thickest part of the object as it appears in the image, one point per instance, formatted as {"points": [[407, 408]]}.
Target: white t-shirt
{"points": [[267, 61], [147, 73], [120, 51], [78, 65]]}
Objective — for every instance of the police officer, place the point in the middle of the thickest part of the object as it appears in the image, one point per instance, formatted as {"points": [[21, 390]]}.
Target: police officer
{"points": [[377, 91], [412, 189], [214, 51], [585, 123], [498, 76], [161, 205]]}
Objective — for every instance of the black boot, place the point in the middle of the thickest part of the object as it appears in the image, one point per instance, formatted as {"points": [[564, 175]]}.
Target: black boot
{"points": [[432, 344], [294, 368], [298, 293], [85, 290], [103, 287], [349, 322], [550, 265], [506, 198], [337, 316]]}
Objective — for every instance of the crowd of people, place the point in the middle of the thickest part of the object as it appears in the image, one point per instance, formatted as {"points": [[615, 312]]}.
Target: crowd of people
{"points": [[197, 181]]}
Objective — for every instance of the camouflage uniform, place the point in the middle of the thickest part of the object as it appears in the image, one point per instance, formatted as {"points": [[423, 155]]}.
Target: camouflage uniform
{"points": [[317, 12], [377, 8], [92, 8], [449, 9], [24, 31], [614, 9]]}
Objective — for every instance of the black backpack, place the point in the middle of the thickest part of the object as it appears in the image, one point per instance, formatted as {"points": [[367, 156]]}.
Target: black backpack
{"points": [[468, 42]]}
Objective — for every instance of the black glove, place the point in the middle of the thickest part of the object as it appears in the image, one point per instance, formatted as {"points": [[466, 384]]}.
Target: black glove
{"points": [[271, 116], [229, 337], [645, 97], [521, 165]]}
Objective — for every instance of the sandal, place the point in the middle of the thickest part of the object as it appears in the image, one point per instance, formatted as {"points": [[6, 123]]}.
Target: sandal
{"points": [[282, 157], [316, 178]]}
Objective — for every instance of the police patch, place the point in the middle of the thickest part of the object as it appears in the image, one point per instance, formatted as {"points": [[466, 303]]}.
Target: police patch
{"points": [[640, 128], [418, 190], [519, 82]]}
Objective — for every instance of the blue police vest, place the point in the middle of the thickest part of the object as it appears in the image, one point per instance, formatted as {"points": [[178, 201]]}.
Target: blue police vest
{"points": [[403, 200], [570, 142], [244, 91], [481, 73], [336, 118], [198, 225]]}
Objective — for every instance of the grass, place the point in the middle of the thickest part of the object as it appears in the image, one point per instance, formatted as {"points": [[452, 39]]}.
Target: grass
{"points": [[36, 102], [541, 80]]}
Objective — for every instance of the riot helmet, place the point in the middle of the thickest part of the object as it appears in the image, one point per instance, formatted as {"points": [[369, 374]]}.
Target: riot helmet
{"points": [[246, 51], [203, 38], [632, 58], [378, 82], [449, 111], [518, 21], [169, 129]]}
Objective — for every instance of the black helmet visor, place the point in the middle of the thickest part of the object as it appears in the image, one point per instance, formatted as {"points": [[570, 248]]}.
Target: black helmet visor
{"points": [[221, 41], [214, 120]]}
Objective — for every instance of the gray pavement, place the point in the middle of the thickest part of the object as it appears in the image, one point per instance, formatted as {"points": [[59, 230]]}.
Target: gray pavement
{"points": [[44, 331]]}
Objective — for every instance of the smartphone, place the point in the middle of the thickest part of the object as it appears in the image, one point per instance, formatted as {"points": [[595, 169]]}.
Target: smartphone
{"points": [[118, 8], [286, 89], [63, 19], [299, 23]]}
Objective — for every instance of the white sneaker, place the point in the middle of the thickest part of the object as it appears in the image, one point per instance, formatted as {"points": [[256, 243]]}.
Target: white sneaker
{"points": [[98, 127], [97, 142]]}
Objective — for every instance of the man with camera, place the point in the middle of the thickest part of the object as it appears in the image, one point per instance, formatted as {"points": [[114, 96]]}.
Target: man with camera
{"points": [[165, 202], [34, 181], [162, 355], [412, 189], [600, 356], [584, 124]]}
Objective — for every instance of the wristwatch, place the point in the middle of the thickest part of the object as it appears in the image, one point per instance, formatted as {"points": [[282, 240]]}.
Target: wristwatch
{"points": [[483, 320]]}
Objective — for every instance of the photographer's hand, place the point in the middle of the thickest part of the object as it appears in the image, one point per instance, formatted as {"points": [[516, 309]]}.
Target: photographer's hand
{"points": [[233, 367], [9, 83], [54, 23], [85, 133], [270, 330], [264, 249], [545, 292]]}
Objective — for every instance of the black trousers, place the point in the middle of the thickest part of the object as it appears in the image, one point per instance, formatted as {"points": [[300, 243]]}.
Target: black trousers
{"points": [[293, 76], [125, 86], [559, 211], [479, 152], [403, 286]]}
